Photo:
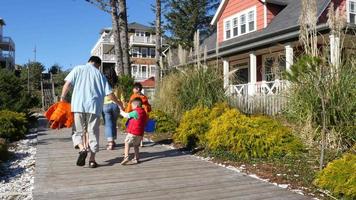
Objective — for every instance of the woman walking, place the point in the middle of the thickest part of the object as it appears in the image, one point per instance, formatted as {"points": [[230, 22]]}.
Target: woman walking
{"points": [[110, 111]]}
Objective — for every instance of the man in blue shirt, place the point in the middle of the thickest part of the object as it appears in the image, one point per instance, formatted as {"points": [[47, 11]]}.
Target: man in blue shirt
{"points": [[89, 89]]}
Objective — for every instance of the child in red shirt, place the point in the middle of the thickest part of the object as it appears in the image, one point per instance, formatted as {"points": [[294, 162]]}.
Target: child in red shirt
{"points": [[135, 129]]}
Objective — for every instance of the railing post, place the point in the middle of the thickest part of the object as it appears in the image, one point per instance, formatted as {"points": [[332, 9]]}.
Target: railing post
{"points": [[289, 56], [253, 74], [226, 72]]}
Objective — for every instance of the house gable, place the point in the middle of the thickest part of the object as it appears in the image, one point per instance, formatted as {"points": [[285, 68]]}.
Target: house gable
{"points": [[230, 8], [338, 5]]}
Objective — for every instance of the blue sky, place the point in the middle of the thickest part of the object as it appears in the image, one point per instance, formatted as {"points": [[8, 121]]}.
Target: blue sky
{"points": [[63, 31]]}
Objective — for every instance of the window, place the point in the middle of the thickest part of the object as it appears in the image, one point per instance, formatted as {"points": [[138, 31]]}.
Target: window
{"points": [[152, 70], [134, 71], [251, 21], [240, 23], [243, 24], [140, 34], [352, 11], [227, 30], [235, 27], [144, 52], [240, 75], [153, 52], [274, 65], [136, 52], [144, 71]]}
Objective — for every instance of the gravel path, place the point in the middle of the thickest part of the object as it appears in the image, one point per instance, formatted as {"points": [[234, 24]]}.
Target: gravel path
{"points": [[17, 174]]}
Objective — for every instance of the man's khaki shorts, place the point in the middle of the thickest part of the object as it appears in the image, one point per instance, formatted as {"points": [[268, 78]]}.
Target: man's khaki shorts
{"points": [[133, 140]]}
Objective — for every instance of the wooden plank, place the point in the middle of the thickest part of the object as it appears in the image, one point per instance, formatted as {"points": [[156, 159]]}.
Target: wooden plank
{"points": [[163, 174]]}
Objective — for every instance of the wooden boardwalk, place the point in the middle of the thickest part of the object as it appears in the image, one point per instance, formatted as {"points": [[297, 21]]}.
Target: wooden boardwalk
{"points": [[162, 174]]}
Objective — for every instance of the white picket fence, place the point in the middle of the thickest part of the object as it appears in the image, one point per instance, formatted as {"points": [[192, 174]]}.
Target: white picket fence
{"points": [[267, 98]]}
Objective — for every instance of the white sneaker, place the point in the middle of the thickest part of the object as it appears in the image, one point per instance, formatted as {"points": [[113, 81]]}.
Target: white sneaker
{"points": [[135, 161], [125, 160]]}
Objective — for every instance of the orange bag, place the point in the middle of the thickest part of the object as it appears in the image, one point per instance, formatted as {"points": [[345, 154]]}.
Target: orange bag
{"points": [[59, 115]]}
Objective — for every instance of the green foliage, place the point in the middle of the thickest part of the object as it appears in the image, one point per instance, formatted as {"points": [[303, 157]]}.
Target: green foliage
{"points": [[12, 95], [182, 91], [339, 177], [35, 74], [195, 123], [164, 122], [184, 17], [13, 125], [4, 154], [58, 79], [166, 98], [314, 83], [251, 137], [125, 86]]}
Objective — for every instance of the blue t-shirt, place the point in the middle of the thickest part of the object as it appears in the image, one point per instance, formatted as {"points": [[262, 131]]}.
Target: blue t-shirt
{"points": [[89, 89]]}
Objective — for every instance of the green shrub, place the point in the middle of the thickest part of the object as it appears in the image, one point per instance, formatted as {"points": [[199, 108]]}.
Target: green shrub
{"points": [[251, 137], [125, 86], [184, 90], [12, 94], [13, 126], [164, 122], [195, 123], [313, 80], [339, 177], [4, 154]]}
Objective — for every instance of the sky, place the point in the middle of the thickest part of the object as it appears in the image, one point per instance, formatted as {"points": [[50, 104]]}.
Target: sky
{"points": [[63, 31]]}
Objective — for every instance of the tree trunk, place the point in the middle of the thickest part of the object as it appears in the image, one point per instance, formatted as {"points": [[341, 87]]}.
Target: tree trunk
{"points": [[119, 67], [124, 37], [158, 45]]}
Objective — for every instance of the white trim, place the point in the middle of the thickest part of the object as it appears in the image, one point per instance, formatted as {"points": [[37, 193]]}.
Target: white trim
{"points": [[147, 70], [265, 14], [135, 75], [226, 70], [150, 69], [238, 16], [215, 18], [348, 9]]}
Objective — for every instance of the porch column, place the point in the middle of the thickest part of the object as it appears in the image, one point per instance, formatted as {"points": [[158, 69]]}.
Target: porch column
{"points": [[226, 73], [334, 50], [289, 56], [252, 74]]}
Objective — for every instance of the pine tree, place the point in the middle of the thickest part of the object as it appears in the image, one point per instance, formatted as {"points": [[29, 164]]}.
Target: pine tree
{"points": [[185, 17]]}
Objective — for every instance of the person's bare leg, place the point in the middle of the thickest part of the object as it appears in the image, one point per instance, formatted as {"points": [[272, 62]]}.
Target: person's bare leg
{"points": [[126, 154], [137, 151]]}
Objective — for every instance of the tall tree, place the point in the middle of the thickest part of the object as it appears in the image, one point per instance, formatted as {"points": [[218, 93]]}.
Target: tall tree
{"points": [[124, 36], [111, 7], [158, 44], [185, 17], [117, 40]]}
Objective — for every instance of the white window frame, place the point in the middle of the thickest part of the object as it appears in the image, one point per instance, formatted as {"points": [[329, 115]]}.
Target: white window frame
{"points": [[154, 74], [147, 55], [135, 75], [238, 16], [154, 52], [348, 11], [225, 29], [235, 26], [138, 52], [142, 75], [140, 33]]}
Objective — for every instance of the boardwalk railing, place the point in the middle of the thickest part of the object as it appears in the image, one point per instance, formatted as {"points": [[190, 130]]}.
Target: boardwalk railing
{"points": [[265, 98]]}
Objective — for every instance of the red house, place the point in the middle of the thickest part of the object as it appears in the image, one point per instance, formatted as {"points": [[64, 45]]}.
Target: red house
{"points": [[258, 39]]}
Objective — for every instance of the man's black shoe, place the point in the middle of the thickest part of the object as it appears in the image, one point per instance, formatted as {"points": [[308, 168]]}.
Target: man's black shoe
{"points": [[81, 158]]}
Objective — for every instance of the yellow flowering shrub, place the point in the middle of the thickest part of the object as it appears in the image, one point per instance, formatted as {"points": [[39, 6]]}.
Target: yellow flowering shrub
{"points": [[195, 123], [251, 137], [339, 177]]}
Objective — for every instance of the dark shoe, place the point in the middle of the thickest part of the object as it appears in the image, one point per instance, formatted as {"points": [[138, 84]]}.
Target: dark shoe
{"points": [[81, 158], [93, 164]]}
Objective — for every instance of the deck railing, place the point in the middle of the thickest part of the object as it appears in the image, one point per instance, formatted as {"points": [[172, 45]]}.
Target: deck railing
{"points": [[263, 97]]}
